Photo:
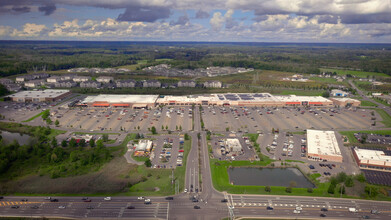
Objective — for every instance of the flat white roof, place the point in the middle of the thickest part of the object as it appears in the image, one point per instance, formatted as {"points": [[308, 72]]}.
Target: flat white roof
{"points": [[375, 157], [48, 93], [234, 144], [121, 99], [322, 143], [294, 98], [346, 99]]}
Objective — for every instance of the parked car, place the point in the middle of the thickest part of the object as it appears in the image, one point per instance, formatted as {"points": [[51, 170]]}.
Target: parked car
{"points": [[322, 215], [324, 209], [197, 207], [53, 200], [140, 198], [15, 207], [34, 207], [224, 200], [62, 207]]}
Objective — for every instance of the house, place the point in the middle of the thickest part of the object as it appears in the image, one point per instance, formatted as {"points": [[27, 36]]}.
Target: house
{"points": [[81, 78], [13, 87], [53, 79], [125, 83], [67, 77], [40, 75], [186, 83], [65, 84], [213, 84], [34, 83], [337, 92], [24, 78], [5, 81], [104, 79], [151, 83], [90, 84]]}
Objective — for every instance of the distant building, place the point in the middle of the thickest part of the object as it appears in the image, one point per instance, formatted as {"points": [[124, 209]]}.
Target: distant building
{"points": [[213, 84], [125, 83], [337, 92], [34, 83], [53, 79], [372, 159], [40, 75], [104, 79], [5, 81], [343, 102], [48, 95], [81, 78], [151, 83], [65, 84], [186, 83], [21, 79], [90, 84]]}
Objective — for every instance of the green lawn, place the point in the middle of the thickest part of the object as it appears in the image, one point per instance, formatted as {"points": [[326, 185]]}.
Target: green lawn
{"points": [[378, 100], [158, 181], [352, 139], [367, 103], [385, 116], [360, 74], [301, 92]]}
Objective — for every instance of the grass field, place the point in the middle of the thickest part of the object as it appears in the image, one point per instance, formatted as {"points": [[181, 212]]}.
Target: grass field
{"points": [[134, 66], [367, 103], [352, 139], [385, 116], [360, 74]]}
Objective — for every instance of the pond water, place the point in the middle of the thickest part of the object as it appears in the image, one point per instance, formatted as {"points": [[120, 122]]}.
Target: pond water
{"points": [[255, 176], [8, 137]]}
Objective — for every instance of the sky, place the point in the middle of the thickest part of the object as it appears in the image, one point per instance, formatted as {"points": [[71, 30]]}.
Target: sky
{"points": [[334, 21]]}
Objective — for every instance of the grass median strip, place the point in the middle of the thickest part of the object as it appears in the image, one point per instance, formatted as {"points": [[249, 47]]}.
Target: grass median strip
{"points": [[385, 116], [34, 117], [353, 139]]}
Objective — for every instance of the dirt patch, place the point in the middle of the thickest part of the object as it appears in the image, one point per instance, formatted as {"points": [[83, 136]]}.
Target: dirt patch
{"points": [[113, 177], [357, 190]]}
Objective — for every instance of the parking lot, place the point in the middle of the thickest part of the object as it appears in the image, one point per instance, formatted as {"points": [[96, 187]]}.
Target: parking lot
{"points": [[125, 119], [168, 152], [253, 119]]}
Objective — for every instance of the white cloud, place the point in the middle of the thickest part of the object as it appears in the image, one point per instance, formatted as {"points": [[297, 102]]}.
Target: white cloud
{"points": [[30, 30]]}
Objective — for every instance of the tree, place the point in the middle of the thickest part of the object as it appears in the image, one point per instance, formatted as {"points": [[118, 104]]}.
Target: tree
{"points": [[341, 177], [180, 127], [187, 137], [92, 142], [64, 143], [227, 129], [268, 189], [176, 127], [331, 188], [153, 130], [54, 142], [57, 123], [72, 143], [288, 189], [166, 127], [48, 121], [82, 143], [148, 163], [45, 114], [162, 127], [326, 94], [310, 190], [105, 137], [99, 144]]}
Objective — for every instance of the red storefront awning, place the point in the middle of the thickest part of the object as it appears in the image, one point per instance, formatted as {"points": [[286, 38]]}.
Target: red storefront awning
{"points": [[120, 105], [101, 104]]}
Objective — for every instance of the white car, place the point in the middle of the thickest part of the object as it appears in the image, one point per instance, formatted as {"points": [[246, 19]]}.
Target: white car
{"points": [[185, 191], [62, 207], [140, 198], [298, 208], [107, 198], [296, 211]]}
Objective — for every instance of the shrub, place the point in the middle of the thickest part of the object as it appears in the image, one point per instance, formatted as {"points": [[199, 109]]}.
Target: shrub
{"points": [[288, 189], [310, 190]]}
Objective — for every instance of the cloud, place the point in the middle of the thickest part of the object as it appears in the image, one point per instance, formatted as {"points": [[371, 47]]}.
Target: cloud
{"points": [[202, 14], [23, 9], [47, 9], [148, 14], [30, 30], [182, 20], [218, 20]]}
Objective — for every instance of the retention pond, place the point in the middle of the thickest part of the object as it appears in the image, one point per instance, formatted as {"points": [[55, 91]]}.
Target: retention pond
{"points": [[255, 176]]}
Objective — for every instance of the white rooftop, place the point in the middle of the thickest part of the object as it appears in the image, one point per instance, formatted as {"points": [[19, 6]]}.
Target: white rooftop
{"points": [[294, 98], [121, 98], [376, 157], [322, 143], [47, 93]]}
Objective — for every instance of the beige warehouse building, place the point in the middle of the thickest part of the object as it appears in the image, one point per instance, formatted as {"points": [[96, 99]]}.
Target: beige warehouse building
{"points": [[323, 145]]}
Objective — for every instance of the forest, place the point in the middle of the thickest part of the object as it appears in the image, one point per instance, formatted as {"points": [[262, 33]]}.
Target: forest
{"points": [[18, 57]]}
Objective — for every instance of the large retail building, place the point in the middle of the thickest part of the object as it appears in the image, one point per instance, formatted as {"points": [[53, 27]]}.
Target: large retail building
{"points": [[48, 95], [323, 145]]}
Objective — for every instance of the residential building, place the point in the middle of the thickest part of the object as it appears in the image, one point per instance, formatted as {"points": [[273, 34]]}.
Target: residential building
{"points": [[81, 78], [186, 83], [104, 79], [65, 84], [213, 84], [90, 84], [125, 83], [53, 79], [34, 83], [151, 83], [21, 79]]}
